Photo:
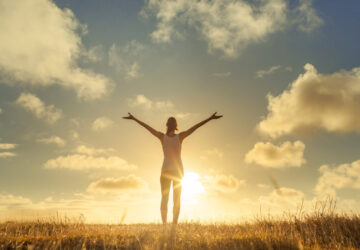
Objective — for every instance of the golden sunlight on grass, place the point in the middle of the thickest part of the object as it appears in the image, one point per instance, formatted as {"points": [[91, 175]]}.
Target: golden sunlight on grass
{"points": [[191, 184], [320, 229]]}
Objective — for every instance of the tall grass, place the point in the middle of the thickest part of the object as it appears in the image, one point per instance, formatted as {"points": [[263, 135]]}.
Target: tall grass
{"points": [[323, 228]]}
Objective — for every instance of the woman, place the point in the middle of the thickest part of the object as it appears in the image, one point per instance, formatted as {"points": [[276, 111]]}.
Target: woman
{"points": [[172, 169]]}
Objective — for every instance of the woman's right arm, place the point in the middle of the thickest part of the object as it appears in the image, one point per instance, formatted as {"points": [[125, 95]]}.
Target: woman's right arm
{"points": [[154, 132], [188, 132]]}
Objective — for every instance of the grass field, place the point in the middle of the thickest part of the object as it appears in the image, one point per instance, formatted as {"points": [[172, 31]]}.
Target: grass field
{"points": [[318, 230]]}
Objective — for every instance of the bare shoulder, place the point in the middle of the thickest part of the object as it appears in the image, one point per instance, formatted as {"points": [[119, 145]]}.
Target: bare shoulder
{"points": [[161, 136], [182, 135]]}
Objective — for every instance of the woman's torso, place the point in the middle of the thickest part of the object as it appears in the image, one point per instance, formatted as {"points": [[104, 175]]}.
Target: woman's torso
{"points": [[172, 155]]}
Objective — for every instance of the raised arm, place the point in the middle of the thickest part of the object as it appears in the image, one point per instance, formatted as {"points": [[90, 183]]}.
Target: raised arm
{"points": [[188, 132], [150, 129]]}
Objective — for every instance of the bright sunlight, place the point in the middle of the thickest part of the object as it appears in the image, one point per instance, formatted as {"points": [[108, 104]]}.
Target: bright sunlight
{"points": [[191, 184]]}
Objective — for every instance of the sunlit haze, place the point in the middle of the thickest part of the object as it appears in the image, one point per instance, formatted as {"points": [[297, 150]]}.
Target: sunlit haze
{"points": [[284, 74]]}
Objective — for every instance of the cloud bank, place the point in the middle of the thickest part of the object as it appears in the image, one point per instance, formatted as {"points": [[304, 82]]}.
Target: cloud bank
{"points": [[314, 101], [102, 123], [269, 155], [34, 105], [222, 183], [86, 162], [40, 46], [53, 140], [228, 26], [340, 177], [128, 183]]}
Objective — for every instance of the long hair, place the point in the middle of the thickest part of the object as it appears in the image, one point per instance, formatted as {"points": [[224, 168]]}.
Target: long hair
{"points": [[171, 124]]}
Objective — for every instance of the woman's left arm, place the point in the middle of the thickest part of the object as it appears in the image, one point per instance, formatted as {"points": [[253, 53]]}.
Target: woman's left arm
{"points": [[188, 132]]}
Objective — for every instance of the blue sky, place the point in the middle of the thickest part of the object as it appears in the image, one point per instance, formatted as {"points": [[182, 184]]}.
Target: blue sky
{"points": [[69, 70]]}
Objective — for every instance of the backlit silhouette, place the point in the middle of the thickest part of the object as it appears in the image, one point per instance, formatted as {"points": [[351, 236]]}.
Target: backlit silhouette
{"points": [[172, 170]]}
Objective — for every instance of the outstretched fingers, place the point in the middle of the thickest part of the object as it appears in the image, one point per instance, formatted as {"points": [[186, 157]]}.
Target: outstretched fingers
{"points": [[130, 116]]}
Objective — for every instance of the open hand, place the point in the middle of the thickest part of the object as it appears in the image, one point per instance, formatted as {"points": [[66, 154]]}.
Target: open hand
{"points": [[129, 117], [214, 116]]}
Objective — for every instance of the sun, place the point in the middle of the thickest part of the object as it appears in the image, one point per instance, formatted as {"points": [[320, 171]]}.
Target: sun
{"points": [[191, 184]]}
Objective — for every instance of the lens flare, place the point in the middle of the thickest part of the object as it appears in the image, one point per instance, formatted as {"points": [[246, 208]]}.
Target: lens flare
{"points": [[191, 184]]}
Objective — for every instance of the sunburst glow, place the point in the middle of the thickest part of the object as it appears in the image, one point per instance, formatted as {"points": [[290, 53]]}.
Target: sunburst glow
{"points": [[191, 184]]}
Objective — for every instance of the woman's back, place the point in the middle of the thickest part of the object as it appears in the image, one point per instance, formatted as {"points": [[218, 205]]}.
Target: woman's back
{"points": [[172, 153]]}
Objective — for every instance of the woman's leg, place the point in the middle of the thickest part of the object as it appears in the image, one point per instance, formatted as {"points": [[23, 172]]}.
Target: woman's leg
{"points": [[165, 189], [177, 187]]}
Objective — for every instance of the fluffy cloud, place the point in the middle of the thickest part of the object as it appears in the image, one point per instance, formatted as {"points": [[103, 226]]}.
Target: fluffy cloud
{"points": [[283, 198], [94, 54], [10, 201], [144, 102], [315, 101], [33, 104], [222, 183], [92, 151], [128, 183], [7, 154], [40, 46], [340, 177], [271, 70], [85, 162], [269, 155], [53, 140], [307, 17], [7, 146], [125, 60], [102, 123], [228, 26]]}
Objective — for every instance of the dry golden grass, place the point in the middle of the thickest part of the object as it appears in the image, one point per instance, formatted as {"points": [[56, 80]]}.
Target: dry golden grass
{"points": [[319, 230]]}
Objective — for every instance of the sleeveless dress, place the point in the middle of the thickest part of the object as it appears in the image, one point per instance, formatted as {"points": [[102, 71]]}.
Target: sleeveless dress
{"points": [[172, 164]]}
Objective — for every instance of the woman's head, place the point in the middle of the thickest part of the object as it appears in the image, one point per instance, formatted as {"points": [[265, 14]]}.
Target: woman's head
{"points": [[171, 124]]}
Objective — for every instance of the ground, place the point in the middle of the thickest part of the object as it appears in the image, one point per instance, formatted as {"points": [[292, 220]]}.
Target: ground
{"points": [[316, 231]]}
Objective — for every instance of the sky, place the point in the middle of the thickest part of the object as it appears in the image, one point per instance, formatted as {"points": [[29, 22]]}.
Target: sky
{"points": [[285, 75]]}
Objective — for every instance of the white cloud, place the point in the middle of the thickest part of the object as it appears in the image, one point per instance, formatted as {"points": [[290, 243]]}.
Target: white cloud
{"points": [[128, 183], [222, 183], [102, 123], [40, 46], [283, 198], [271, 70], [269, 155], [340, 177], [94, 54], [7, 154], [144, 102], [125, 60], [53, 140], [82, 149], [228, 26], [315, 101], [10, 201], [7, 146], [307, 17], [85, 162], [34, 105]]}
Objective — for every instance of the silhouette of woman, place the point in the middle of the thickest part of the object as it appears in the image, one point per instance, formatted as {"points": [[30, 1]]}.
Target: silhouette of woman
{"points": [[172, 168]]}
